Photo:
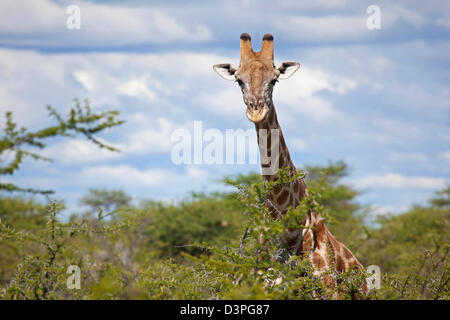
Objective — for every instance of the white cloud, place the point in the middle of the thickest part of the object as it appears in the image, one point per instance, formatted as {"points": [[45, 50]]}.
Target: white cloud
{"points": [[153, 138], [35, 77], [302, 92], [119, 24], [298, 144], [147, 137], [445, 23], [394, 131], [318, 4], [409, 157], [86, 79], [413, 17], [78, 151], [226, 101], [43, 15], [396, 181], [196, 173], [446, 156], [98, 81], [121, 176], [137, 88], [348, 25], [387, 209], [101, 25], [105, 78], [323, 28]]}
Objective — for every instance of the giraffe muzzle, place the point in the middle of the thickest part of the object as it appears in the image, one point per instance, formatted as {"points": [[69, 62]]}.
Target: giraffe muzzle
{"points": [[256, 108], [257, 114]]}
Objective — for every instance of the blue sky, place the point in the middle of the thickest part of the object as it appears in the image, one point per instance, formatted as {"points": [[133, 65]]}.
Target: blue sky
{"points": [[377, 99]]}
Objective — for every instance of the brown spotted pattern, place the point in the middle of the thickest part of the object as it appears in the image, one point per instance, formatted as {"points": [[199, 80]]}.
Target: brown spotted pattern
{"points": [[315, 241]]}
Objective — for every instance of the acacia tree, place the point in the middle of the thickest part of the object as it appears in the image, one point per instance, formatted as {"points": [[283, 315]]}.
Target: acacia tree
{"points": [[15, 143], [104, 200]]}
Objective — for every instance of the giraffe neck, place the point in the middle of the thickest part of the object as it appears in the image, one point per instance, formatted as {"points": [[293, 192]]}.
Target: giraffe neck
{"points": [[313, 238], [283, 196]]}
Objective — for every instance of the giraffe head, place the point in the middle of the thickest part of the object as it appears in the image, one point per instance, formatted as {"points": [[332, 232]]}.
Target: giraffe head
{"points": [[256, 76]]}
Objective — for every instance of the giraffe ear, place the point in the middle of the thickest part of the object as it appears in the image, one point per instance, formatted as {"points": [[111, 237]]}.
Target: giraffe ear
{"points": [[225, 70], [287, 69]]}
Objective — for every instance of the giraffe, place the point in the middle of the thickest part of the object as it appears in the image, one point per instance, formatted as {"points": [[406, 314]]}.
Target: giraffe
{"points": [[256, 77]]}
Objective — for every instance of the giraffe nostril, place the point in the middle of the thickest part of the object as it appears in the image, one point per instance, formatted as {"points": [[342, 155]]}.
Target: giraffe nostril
{"points": [[260, 104], [256, 105]]}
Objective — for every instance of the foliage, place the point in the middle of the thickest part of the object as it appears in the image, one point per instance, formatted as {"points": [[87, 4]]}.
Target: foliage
{"points": [[343, 215], [105, 200], [42, 273], [442, 199], [208, 246], [178, 228], [28, 215], [261, 266], [80, 120], [413, 249]]}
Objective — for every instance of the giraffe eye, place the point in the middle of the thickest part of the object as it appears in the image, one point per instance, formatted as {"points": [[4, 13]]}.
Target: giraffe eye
{"points": [[239, 82], [272, 83]]}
